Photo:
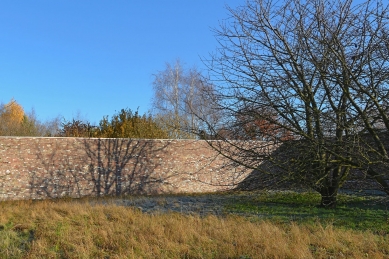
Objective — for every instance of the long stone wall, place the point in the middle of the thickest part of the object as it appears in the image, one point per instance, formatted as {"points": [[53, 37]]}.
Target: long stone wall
{"points": [[37, 168]]}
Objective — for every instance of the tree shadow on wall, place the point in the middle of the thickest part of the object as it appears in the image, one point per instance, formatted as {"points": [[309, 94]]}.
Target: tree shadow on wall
{"points": [[124, 166], [280, 169], [95, 167], [294, 166], [60, 174]]}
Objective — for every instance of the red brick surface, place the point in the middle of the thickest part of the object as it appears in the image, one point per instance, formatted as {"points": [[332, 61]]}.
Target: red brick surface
{"points": [[36, 168]]}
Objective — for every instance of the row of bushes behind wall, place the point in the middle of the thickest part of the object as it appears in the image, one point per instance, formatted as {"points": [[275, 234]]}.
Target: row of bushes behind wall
{"points": [[37, 168]]}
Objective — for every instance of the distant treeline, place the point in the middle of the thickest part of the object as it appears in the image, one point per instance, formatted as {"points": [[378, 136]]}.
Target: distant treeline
{"points": [[14, 121]]}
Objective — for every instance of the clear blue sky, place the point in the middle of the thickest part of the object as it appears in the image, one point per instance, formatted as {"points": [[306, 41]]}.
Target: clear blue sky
{"points": [[66, 57]]}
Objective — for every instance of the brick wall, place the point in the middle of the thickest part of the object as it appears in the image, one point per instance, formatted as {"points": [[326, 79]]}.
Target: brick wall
{"points": [[35, 168]]}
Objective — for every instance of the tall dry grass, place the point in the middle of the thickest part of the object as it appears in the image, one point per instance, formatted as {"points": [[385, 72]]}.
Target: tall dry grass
{"points": [[66, 229]]}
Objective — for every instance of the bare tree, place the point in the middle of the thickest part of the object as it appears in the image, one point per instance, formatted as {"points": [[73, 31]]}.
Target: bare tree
{"points": [[316, 70], [180, 97]]}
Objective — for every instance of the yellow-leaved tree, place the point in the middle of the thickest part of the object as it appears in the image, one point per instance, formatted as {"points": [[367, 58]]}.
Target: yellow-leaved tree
{"points": [[15, 122], [11, 118], [13, 112]]}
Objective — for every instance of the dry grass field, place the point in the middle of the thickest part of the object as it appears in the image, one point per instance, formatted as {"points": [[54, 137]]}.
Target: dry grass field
{"points": [[67, 229]]}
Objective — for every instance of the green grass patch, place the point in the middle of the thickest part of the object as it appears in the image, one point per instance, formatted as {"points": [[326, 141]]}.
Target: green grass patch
{"points": [[15, 240], [352, 212]]}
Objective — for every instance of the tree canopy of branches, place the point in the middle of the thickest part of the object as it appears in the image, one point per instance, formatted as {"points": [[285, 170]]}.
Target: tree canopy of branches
{"points": [[77, 128], [317, 71], [179, 97]]}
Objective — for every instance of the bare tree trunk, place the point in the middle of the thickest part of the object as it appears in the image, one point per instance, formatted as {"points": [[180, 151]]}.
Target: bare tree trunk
{"points": [[328, 197]]}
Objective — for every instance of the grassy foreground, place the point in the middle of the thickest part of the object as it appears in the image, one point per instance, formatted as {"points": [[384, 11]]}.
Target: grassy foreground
{"points": [[66, 229]]}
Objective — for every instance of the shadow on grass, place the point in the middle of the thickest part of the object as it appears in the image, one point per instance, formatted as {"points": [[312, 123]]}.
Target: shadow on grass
{"points": [[353, 212]]}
